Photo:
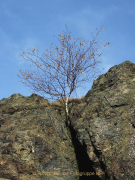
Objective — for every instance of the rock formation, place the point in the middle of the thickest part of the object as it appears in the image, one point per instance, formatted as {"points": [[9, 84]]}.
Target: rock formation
{"points": [[34, 143], [105, 123], [100, 143]]}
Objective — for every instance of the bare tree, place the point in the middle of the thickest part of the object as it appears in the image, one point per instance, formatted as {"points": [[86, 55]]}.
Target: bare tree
{"points": [[62, 67]]}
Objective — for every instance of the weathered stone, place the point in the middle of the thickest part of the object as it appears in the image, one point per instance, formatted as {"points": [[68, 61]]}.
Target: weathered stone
{"points": [[34, 138], [105, 123], [34, 143]]}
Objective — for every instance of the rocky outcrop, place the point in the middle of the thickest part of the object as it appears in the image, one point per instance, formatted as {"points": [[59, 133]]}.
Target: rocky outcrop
{"points": [[104, 123], [34, 142], [100, 143]]}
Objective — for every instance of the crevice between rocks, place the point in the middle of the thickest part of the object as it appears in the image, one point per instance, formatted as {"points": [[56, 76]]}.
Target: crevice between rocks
{"points": [[85, 165]]}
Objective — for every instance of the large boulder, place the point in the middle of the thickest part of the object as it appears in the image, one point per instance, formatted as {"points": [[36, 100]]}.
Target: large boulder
{"points": [[104, 124], [34, 142]]}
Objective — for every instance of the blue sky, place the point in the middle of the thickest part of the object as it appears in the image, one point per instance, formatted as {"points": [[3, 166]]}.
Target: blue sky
{"points": [[32, 23]]}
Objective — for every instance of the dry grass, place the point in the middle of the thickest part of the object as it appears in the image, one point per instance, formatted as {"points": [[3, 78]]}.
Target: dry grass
{"points": [[71, 100]]}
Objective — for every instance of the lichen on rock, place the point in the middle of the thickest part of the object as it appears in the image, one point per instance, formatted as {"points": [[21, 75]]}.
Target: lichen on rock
{"points": [[34, 142], [109, 123]]}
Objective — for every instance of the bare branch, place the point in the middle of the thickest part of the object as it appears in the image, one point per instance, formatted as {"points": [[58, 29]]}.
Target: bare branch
{"points": [[62, 67]]}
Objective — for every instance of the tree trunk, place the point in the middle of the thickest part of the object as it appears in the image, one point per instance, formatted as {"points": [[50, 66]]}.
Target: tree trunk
{"points": [[67, 114]]}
